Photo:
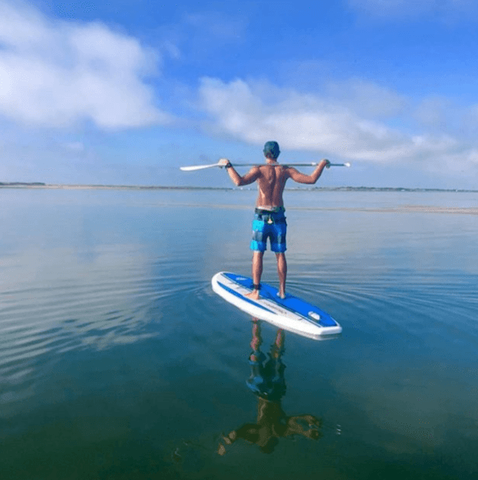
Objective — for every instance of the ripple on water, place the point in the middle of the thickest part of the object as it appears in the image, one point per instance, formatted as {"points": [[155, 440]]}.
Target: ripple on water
{"points": [[38, 325], [423, 305]]}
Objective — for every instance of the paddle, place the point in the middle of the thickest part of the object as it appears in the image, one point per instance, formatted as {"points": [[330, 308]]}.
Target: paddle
{"points": [[212, 165]]}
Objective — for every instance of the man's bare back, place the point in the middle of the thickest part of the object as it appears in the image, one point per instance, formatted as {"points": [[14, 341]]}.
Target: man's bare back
{"points": [[271, 180]]}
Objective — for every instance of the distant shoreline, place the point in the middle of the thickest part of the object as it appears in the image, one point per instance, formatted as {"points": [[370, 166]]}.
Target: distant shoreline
{"points": [[40, 185]]}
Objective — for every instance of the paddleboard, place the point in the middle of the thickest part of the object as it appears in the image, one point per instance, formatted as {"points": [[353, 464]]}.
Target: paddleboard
{"points": [[291, 313]]}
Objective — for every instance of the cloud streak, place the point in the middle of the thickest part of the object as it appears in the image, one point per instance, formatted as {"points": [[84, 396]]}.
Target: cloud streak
{"points": [[56, 73]]}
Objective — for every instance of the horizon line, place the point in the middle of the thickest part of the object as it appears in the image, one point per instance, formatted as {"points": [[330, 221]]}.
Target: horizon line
{"points": [[40, 185]]}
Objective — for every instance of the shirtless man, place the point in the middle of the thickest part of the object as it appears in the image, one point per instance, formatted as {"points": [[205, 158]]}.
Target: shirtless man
{"points": [[269, 220]]}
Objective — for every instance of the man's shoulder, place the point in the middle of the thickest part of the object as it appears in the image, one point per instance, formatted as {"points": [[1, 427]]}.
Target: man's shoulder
{"points": [[287, 170], [291, 169]]}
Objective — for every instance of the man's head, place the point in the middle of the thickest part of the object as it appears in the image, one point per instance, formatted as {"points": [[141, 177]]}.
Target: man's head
{"points": [[271, 150]]}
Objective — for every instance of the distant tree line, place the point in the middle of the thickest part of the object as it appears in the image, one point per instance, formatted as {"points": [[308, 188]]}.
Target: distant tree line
{"points": [[22, 183]]}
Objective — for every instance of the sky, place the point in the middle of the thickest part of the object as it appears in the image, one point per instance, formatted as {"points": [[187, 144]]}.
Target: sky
{"points": [[126, 91]]}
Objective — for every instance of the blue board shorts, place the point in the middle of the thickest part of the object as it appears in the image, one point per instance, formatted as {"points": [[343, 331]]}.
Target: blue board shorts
{"points": [[267, 378], [269, 225]]}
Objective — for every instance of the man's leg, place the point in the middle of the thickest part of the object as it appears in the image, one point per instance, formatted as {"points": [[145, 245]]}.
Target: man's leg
{"points": [[257, 258], [279, 246], [282, 272]]}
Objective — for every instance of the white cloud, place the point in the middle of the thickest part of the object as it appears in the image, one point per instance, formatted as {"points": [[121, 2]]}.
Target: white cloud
{"points": [[56, 73], [367, 99], [256, 112], [415, 8]]}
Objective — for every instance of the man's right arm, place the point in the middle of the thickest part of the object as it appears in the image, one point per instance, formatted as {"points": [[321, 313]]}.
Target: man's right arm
{"points": [[309, 179], [251, 176]]}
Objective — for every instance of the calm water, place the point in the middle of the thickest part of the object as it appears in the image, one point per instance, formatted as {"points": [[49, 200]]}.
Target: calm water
{"points": [[117, 361]]}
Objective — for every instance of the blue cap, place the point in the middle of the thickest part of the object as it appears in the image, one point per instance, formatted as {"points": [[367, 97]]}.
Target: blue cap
{"points": [[271, 148]]}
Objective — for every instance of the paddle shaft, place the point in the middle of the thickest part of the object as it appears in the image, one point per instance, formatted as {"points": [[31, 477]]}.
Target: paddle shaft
{"points": [[314, 164]]}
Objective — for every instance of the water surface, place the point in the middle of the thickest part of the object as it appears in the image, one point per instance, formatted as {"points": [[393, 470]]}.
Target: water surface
{"points": [[117, 361]]}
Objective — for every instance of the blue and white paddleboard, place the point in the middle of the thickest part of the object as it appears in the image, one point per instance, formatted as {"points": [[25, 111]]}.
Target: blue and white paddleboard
{"points": [[290, 313]]}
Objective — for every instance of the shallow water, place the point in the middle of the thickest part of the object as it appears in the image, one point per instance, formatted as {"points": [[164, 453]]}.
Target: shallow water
{"points": [[118, 361]]}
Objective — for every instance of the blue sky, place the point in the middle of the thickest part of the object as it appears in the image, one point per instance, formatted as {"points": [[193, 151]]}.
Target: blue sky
{"points": [[125, 92]]}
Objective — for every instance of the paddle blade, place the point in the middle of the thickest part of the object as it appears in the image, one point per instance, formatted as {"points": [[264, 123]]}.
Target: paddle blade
{"points": [[193, 168]]}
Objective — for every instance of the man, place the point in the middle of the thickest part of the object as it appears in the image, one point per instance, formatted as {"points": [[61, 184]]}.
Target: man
{"points": [[269, 220]]}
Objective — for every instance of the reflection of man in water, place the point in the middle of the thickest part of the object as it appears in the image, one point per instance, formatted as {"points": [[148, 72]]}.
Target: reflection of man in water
{"points": [[268, 383]]}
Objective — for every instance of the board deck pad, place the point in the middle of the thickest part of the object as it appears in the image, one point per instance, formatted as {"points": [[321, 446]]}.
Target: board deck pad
{"points": [[291, 313]]}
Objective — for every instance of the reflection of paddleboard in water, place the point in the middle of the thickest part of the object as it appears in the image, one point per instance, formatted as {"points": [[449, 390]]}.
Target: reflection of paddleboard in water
{"points": [[290, 313]]}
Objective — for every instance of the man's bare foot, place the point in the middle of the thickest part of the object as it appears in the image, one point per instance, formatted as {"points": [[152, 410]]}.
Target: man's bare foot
{"points": [[281, 295], [254, 295]]}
